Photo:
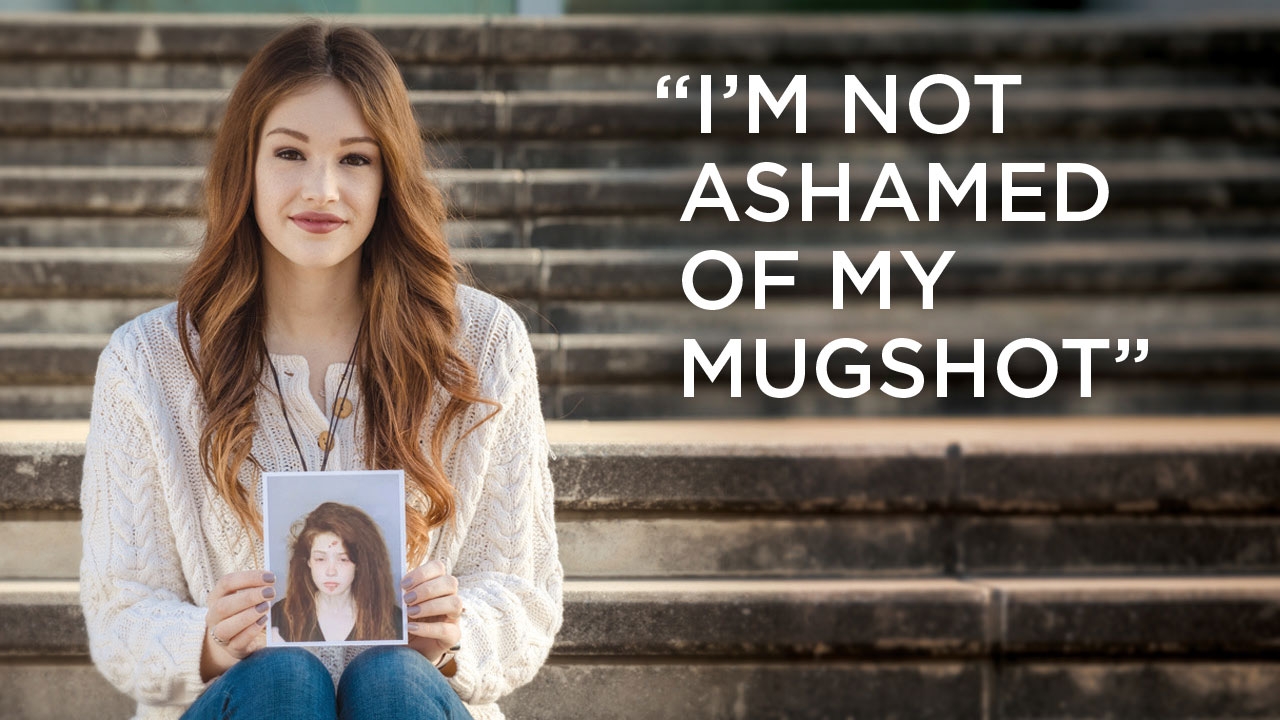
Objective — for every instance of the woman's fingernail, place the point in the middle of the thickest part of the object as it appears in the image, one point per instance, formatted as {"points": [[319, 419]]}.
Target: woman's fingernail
{"points": [[415, 610], [262, 620], [262, 606], [410, 597], [405, 583], [269, 593], [268, 578], [413, 627]]}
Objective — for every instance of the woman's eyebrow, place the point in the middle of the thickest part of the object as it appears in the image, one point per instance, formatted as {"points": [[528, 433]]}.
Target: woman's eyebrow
{"points": [[304, 138]]}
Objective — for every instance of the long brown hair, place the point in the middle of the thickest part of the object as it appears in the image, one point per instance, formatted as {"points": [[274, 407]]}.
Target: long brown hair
{"points": [[407, 281], [372, 590]]}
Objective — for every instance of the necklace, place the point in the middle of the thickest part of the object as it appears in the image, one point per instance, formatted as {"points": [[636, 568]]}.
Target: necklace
{"points": [[343, 386]]}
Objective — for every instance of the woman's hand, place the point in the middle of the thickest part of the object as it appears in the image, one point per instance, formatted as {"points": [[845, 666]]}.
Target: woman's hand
{"points": [[237, 611], [431, 598]]}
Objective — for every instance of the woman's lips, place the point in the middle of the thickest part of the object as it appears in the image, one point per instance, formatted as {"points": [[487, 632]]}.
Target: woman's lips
{"points": [[331, 586], [319, 227]]}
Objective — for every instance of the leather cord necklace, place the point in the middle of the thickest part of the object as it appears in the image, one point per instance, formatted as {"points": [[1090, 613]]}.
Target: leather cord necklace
{"points": [[343, 386]]}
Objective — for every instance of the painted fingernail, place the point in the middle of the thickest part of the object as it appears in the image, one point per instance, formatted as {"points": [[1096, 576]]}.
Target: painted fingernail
{"points": [[406, 583], [411, 596], [268, 577], [415, 610], [269, 593], [413, 627], [262, 606], [262, 620]]}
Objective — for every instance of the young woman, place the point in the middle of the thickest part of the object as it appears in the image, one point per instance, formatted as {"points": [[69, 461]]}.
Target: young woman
{"points": [[340, 587], [320, 327]]}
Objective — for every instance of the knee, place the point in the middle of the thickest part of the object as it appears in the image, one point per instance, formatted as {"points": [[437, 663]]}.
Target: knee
{"points": [[392, 671], [292, 662], [288, 673], [389, 664]]}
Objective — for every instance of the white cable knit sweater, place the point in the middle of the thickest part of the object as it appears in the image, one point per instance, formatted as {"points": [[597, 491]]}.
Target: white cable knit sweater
{"points": [[157, 537]]}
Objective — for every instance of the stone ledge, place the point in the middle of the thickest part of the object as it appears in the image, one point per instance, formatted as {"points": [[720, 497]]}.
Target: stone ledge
{"points": [[658, 543], [184, 233], [913, 474], [1205, 185], [1112, 397], [1239, 114], [1090, 37], [69, 359], [986, 270], [620, 325], [1172, 617], [931, 690], [1208, 396], [925, 690]]}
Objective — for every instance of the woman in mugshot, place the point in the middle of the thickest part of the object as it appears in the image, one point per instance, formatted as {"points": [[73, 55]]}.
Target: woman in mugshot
{"points": [[322, 325], [340, 587]]}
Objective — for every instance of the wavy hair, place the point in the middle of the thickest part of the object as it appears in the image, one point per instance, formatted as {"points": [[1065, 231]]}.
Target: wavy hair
{"points": [[408, 281], [372, 590]]}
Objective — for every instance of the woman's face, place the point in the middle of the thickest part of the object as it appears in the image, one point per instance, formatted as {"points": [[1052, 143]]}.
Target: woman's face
{"points": [[331, 569], [317, 179]]}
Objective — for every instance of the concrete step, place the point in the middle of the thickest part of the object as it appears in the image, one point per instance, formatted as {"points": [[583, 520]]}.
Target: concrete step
{"points": [[664, 230], [1050, 317], [621, 75], [658, 152], [974, 508], [689, 546], [620, 359], [846, 465], [1168, 617], [1110, 396], [1185, 186], [988, 269], [1243, 115], [654, 39], [665, 400], [185, 232], [43, 71], [951, 317], [725, 690], [553, 154]]}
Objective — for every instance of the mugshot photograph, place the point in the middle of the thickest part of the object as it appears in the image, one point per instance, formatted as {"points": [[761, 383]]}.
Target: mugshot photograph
{"points": [[340, 587]]}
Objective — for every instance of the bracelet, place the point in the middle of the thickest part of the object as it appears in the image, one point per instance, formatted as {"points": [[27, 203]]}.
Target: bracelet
{"points": [[447, 656]]}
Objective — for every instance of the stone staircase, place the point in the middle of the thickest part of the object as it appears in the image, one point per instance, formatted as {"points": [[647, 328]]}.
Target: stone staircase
{"points": [[1041, 568], [1108, 563], [568, 180]]}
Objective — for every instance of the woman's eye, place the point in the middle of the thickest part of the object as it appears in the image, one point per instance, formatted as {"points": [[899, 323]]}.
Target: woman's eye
{"points": [[282, 153], [360, 160]]}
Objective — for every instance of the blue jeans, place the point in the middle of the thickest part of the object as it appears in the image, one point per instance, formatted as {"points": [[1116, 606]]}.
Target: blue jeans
{"points": [[383, 683]]}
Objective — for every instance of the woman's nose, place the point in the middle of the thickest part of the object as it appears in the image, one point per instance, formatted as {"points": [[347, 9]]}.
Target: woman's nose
{"points": [[331, 568], [321, 185]]}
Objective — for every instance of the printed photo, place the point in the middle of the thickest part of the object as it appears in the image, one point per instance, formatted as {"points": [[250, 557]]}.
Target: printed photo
{"points": [[336, 543]]}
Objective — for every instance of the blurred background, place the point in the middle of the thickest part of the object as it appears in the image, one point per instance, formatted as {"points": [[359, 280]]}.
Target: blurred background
{"points": [[1116, 556]]}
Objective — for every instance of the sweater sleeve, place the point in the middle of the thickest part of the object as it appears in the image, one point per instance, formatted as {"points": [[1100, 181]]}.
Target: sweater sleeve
{"points": [[509, 572], [145, 633]]}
